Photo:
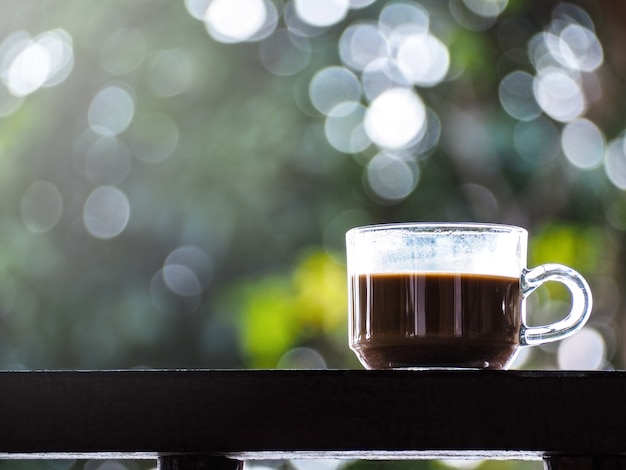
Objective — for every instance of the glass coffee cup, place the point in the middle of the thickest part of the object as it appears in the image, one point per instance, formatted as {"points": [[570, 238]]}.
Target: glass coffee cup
{"points": [[449, 296]]}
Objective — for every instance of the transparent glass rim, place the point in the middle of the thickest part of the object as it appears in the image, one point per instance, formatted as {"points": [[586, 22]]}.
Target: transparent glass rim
{"points": [[436, 227]]}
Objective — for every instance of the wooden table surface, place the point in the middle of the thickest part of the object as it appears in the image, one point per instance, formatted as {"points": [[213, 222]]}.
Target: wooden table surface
{"points": [[276, 414]]}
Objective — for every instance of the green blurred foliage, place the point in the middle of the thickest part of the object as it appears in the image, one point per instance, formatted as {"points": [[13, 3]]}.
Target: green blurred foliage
{"points": [[275, 313], [579, 247]]}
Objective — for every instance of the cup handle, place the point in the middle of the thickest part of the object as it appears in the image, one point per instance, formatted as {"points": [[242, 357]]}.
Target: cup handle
{"points": [[581, 303]]}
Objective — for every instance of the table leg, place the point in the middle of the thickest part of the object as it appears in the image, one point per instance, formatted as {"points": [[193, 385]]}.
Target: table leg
{"points": [[198, 462], [584, 462]]}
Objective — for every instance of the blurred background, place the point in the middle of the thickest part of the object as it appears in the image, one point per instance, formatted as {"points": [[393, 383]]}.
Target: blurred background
{"points": [[176, 178]]}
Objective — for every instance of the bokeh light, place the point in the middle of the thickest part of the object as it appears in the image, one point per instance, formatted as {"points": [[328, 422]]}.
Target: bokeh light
{"points": [[297, 25], [344, 128], [583, 143], [270, 24], [181, 280], [579, 49], [302, 358], [567, 47], [559, 95], [196, 260], [585, 350], [429, 137], [395, 118], [27, 64], [394, 16], [423, 59], [381, 75], [358, 4], [322, 13], [29, 70], [111, 111], [197, 8], [333, 86], [486, 8], [232, 21], [391, 177], [106, 212], [361, 44], [516, 96]]}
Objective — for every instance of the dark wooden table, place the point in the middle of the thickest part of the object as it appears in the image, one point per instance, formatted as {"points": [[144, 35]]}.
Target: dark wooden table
{"points": [[219, 418]]}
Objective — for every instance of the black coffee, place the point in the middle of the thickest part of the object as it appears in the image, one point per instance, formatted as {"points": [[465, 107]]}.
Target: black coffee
{"points": [[435, 320]]}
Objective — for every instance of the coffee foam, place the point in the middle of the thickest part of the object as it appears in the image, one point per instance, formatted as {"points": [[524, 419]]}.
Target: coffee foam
{"points": [[407, 251]]}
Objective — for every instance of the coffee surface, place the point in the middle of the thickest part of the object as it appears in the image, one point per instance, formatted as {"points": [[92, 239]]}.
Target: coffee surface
{"points": [[435, 320]]}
